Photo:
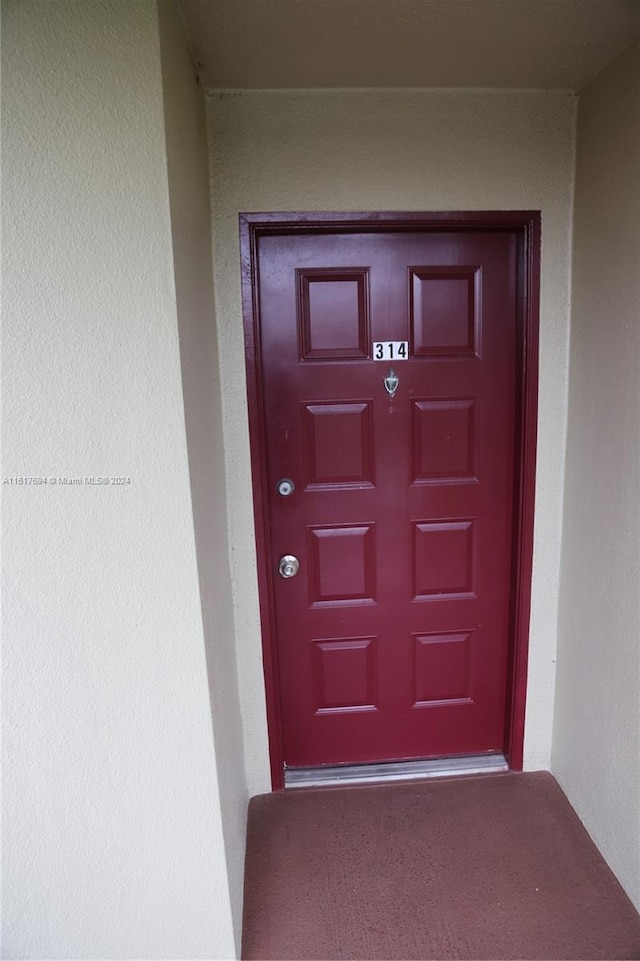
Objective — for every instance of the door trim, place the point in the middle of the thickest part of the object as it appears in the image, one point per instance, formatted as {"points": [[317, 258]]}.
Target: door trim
{"points": [[525, 224]]}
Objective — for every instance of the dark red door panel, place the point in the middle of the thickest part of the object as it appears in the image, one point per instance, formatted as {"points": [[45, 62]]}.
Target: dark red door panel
{"points": [[392, 638]]}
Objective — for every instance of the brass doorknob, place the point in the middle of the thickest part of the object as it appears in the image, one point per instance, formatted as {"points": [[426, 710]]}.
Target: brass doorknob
{"points": [[288, 566]]}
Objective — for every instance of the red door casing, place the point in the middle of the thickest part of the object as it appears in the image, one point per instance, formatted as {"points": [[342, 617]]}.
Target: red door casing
{"points": [[393, 637]]}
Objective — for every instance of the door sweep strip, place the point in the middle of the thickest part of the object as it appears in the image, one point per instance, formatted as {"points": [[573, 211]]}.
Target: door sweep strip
{"points": [[393, 771]]}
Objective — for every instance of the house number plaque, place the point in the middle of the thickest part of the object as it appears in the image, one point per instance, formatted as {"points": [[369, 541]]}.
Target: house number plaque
{"points": [[391, 350]]}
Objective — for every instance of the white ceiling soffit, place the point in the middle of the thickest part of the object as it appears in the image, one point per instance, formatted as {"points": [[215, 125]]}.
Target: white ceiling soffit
{"points": [[407, 43]]}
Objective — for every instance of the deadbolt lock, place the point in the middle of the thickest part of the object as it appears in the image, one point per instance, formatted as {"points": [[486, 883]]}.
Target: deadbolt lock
{"points": [[285, 487]]}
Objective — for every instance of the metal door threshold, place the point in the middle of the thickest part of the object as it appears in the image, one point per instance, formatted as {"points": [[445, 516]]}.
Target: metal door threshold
{"points": [[393, 771]]}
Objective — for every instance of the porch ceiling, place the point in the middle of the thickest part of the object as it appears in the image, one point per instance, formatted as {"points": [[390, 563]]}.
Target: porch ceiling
{"points": [[407, 43]]}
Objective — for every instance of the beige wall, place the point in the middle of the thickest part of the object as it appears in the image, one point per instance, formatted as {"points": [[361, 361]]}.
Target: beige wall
{"points": [[596, 745], [193, 270], [403, 150], [113, 840]]}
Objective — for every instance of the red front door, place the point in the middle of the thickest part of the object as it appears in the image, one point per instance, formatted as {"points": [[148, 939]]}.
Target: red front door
{"points": [[393, 635]]}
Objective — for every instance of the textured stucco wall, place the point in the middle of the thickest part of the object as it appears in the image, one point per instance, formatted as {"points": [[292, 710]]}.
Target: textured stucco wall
{"points": [[113, 843], [413, 150], [596, 744], [187, 163]]}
